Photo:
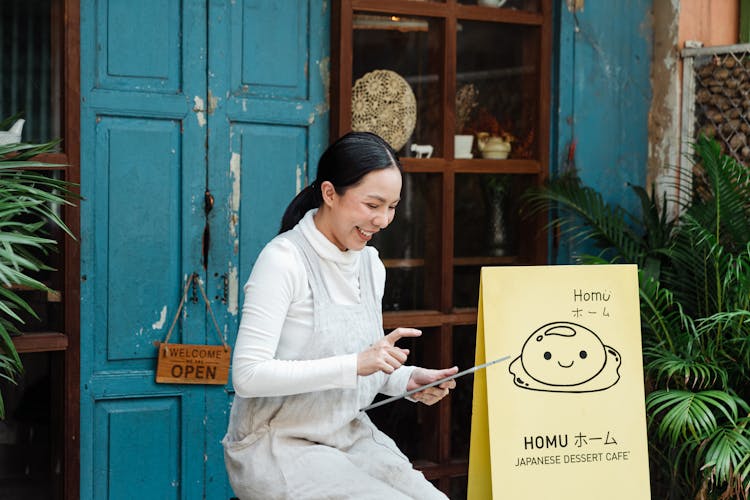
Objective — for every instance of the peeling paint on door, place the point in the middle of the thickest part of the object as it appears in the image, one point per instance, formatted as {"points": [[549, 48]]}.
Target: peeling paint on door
{"points": [[300, 173], [233, 292], [234, 200], [213, 102], [664, 115], [159, 324], [325, 77], [199, 109]]}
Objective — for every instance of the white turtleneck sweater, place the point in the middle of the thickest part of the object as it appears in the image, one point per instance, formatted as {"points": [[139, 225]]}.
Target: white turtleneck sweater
{"points": [[277, 320]]}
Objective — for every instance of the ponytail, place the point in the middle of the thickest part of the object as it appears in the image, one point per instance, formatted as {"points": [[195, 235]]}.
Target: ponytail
{"points": [[306, 200]]}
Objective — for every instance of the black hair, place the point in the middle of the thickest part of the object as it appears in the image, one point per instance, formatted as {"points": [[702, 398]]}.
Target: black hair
{"points": [[344, 163]]}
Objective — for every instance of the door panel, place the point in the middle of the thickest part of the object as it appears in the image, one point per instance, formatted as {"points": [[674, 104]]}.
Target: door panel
{"points": [[268, 80], [272, 170], [136, 49], [141, 183], [280, 71], [143, 175], [124, 446], [164, 118]]}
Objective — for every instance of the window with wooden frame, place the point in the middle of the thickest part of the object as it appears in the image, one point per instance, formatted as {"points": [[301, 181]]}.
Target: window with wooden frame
{"points": [[40, 78], [479, 72]]}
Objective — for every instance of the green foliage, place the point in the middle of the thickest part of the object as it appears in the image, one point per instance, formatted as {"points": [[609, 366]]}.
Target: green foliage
{"points": [[27, 204], [694, 273]]}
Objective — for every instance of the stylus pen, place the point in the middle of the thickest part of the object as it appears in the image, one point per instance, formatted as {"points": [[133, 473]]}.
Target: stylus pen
{"points": [[433, 384]]}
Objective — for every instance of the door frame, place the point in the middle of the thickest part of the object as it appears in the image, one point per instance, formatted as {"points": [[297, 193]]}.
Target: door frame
{"points": [[72, 217]]}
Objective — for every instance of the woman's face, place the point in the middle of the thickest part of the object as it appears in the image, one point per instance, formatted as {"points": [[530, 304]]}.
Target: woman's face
{"points": [[350, 220]]}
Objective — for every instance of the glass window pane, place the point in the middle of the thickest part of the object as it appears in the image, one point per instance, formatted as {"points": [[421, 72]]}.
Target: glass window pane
{"points": [[487, 228], [400, 419], [409, 246], [459, 487], [466, 286], [464, 342], [410, 47], [487, 219], [527, 5], [30, 55], [497, 86], [30, 453]]}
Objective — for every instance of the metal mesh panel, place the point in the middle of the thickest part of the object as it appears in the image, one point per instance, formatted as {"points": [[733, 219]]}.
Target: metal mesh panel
{"points": [[719, 97]]}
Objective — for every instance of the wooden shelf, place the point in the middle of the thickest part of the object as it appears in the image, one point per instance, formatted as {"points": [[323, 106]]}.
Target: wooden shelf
{"points": [[428, 318], [452, 468], [52, 295], [402, 263], [485, 166], [503, 260], [41, 342], [471, 166], [441, 10], [53, 162], [498, 15]]}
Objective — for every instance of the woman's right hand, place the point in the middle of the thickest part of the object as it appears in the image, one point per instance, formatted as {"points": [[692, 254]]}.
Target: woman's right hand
{"points": [[383, 355]]}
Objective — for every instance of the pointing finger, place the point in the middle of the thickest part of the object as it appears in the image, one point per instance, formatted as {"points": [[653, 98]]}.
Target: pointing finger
{"points": [[399, 333]]}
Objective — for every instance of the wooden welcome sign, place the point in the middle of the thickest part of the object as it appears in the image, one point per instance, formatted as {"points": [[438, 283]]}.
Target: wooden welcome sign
{"points": [[193, 364]]}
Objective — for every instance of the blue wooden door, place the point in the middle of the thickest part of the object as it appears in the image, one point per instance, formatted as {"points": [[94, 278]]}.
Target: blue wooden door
{"points": [[180, 97], [267, 84]]}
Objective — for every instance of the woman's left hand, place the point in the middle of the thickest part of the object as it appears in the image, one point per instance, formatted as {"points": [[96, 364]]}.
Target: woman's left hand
{"points": [[424, 376]]}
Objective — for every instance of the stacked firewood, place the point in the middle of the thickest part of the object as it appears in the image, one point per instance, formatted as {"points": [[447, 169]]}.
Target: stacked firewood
{"points": [[722, 98]]}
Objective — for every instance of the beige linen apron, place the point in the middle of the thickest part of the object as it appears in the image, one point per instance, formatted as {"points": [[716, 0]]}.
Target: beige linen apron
{"points": [[318, 445]]}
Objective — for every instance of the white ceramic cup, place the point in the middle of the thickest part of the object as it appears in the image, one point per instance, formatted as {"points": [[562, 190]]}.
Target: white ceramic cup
{"points": [[462, 145]]}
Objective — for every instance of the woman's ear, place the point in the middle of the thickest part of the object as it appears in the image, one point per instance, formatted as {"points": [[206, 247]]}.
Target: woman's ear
{"points": [[328, 192]]}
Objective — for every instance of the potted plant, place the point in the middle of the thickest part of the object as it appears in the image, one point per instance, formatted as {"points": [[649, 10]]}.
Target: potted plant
{"points": [[695, 311], [27, 204]]}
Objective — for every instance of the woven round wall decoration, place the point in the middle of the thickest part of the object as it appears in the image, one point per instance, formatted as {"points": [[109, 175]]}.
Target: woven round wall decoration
{"points": [[384, 104]]}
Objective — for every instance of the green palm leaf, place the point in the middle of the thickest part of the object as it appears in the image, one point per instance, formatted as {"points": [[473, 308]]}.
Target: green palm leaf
{"points": [[725, 454], [693, 372], [726, 210], [661, 314], [29, 202], [586, 216], [691, 415]]}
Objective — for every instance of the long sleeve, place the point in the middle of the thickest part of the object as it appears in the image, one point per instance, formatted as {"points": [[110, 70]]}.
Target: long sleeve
{"points": [[275, 301], [396, 382]]}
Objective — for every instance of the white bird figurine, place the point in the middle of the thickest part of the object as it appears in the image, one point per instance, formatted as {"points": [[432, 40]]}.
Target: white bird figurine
{"points": [[14, 134]]}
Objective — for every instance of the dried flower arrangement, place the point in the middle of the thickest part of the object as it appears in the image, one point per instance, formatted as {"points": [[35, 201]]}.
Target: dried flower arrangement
{"points": [[525, 147], [466, 100], [486, 122]]}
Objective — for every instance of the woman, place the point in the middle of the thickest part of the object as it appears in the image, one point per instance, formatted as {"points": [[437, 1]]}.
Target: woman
{"points": [[311, 352]]}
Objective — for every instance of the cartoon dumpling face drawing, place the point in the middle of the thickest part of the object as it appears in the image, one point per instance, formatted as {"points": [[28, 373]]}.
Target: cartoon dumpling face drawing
{"points": [[565, 357]]}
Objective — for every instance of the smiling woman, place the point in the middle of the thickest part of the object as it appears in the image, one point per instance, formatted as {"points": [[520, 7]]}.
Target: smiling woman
{"points": [[310, 350], [368, 207]]}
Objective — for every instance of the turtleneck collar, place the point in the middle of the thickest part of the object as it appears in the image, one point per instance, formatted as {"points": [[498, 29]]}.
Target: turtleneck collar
{"points": [[324, 247]]}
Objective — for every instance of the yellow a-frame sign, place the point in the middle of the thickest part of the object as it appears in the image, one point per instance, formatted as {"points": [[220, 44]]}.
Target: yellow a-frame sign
{"points": [[566, 417]]}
